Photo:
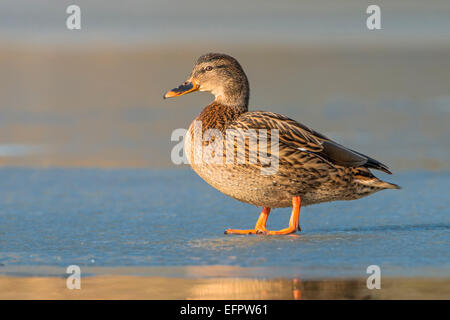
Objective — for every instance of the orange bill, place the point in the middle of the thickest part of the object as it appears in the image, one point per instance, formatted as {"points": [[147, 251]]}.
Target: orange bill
{"points": [[184, 88]]}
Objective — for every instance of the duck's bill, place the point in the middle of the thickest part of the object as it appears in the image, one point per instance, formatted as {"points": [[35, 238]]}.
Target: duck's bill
{"points": [[184, 88]]}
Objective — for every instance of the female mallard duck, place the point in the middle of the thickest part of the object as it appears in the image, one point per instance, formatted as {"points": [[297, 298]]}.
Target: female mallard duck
{"points": [[310, 168]]}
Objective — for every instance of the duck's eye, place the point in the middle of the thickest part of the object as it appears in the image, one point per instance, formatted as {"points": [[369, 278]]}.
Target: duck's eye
{"points": [[208, 68]]}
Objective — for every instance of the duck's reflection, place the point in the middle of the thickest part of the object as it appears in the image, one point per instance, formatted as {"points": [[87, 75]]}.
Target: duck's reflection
{"points": [[283, 289], [296, 289]]}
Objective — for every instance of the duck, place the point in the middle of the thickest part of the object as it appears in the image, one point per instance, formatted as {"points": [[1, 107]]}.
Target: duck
{"points": [[299, 166]]}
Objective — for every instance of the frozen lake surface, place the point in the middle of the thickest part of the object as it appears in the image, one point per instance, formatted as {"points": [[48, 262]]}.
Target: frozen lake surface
{"points": [[100, 218]]}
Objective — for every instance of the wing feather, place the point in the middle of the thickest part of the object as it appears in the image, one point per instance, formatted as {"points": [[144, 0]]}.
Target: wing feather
{"points": [[298, 136]]}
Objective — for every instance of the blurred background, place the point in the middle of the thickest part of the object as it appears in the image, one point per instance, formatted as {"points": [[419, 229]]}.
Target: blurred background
{"points": [[74, 101], [93, 97]]}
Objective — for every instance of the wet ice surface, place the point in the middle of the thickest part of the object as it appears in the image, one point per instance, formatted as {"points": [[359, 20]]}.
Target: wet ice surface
{"points": [[171, 218]]}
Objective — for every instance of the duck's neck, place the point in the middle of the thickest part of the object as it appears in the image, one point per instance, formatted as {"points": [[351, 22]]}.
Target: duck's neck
{"points": [[234, 96], [230, 102], [218, 115], [239, 104]]}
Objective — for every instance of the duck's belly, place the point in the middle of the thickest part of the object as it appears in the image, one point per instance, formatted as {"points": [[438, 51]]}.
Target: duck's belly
{"points": [[246, 184]]}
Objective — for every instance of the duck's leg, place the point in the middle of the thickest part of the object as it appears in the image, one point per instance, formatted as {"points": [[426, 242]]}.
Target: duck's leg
{"points": [[260, 227], [293, 222]]}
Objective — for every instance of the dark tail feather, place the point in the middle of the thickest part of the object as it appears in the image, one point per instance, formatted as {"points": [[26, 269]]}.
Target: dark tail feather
{"points": [[374, 164]]}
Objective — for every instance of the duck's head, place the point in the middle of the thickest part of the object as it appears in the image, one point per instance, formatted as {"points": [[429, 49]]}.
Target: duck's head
{"points": [[219, 74]]}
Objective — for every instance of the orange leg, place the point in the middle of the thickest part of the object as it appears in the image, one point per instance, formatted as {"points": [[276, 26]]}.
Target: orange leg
{"points": [[260, 227]]}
